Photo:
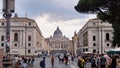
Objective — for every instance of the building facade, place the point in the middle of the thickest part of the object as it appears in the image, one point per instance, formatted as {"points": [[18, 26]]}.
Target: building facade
{"points": [[95, 37], [74, 43], [25, 36], [58, 43]]}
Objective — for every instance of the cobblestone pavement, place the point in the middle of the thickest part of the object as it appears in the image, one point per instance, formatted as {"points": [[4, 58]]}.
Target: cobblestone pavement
{"points": [[56, 64]]}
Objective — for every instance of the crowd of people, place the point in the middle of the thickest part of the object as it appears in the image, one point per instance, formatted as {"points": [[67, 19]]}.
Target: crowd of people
{"points": [[99, 60], [63, 59], [20, 61], [95, 60]]}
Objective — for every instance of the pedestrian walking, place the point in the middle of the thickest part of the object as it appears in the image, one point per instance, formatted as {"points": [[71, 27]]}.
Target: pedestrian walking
{"points": [[66, 59], [69, 59], [32, 61], [93, 62], [114, 62], [52, 61], [81, 62], [72, 58], [102, 61], [24, 62], [42, 63]]}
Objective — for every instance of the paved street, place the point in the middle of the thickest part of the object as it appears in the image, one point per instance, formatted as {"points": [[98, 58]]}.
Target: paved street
{"points": [[57, 64]]}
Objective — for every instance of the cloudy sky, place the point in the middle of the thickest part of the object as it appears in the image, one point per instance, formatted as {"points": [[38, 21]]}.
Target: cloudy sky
{"points": [[52, 13]]}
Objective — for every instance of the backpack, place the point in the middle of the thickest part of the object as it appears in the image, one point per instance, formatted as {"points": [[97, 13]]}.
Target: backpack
{"points": [[52, 59], [93, 60], [102, 60], [41, 63]]}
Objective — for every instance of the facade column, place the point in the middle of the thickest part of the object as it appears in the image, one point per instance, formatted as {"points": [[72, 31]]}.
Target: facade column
{"points": [[101, 39], [75, 44]]}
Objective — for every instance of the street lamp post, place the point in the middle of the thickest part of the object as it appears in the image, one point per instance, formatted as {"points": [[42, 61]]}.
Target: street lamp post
{"points": [[8, 16], [8, 9], [25, 39], [101, 40]]}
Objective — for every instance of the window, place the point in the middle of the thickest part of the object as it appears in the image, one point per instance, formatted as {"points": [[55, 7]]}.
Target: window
{"points": [[2, 23], [94, 38], [2, 44], [94, 44], [15, 45], [29, 38], [94, 51], [97, 51], [86, 49], [2, 38], [94, 24], [83, 50], [107, 44], [107, 37], [29, 44], [29, 24], [16, 37], [29, 51]]}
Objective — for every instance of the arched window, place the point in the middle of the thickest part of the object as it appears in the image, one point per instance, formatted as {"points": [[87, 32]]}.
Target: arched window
{"points": [[16, 37], [107, 36]]}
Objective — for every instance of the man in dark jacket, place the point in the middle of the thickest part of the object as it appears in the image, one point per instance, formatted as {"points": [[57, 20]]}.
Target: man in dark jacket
{"points": [[103, 61], [42, 63]]}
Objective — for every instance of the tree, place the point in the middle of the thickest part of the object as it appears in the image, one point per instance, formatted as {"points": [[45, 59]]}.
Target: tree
{"points": [[106, 10]]}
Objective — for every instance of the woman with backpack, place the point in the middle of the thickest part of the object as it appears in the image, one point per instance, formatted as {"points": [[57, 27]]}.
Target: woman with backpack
{"points": [[81, 62]]}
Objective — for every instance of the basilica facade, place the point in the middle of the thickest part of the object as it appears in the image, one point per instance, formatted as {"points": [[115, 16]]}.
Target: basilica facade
{"points": [[58, 43]]}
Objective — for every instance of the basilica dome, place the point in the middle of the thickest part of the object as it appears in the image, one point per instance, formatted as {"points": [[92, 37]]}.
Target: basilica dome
{"points": [[57, 33]]}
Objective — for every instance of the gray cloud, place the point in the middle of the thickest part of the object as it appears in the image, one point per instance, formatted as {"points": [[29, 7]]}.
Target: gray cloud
{"points": [[39, 7], [58, 9]]}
